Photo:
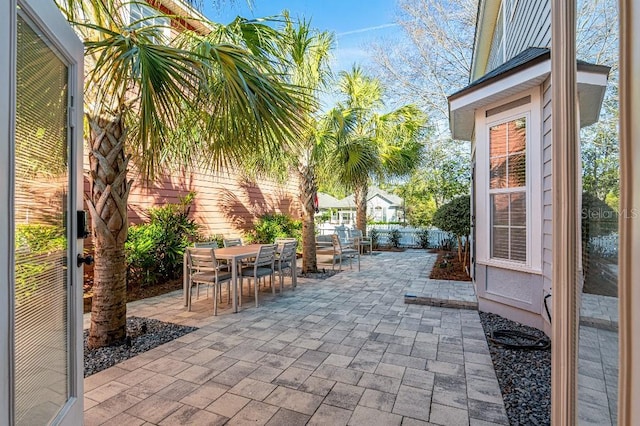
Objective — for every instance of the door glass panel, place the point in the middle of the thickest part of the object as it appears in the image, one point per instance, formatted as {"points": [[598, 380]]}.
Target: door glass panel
{"points": [[41, 249]]}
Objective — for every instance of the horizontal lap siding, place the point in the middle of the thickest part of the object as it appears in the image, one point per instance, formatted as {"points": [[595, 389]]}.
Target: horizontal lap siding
{"points": [[530, 26], [224, 204]]}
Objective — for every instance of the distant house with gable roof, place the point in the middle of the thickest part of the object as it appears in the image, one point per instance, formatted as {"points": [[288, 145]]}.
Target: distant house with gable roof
{"points": [[382, 206]]}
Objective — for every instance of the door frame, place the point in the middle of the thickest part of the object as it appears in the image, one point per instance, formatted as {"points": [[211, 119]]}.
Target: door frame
{"points": [[46, 16]]}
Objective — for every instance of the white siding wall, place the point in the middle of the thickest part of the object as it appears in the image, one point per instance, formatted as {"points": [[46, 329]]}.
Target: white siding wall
{"points": [[530, 26]]}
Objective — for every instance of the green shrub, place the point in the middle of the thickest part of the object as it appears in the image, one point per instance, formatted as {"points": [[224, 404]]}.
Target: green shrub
{"points": [[455, 217], [423, 238], [155, 250], [271, 226], [394, 238]]}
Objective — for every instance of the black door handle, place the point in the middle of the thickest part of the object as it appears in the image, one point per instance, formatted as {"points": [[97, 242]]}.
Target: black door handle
{"points": [[87, 260]]}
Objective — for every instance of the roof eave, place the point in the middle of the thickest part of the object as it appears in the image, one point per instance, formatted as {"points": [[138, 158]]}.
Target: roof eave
{"points": [[592, 82], [189, 13]]}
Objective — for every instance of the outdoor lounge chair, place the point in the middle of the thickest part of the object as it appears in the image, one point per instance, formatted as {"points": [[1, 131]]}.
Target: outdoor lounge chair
{"points": [[261, 266], [204, 269]]}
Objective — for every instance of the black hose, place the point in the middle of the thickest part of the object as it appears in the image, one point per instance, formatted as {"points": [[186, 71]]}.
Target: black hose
{"points": [[546, 308], [506, 337]]}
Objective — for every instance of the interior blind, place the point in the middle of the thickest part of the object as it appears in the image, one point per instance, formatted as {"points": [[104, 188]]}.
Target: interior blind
{"points": [[40, 209]]}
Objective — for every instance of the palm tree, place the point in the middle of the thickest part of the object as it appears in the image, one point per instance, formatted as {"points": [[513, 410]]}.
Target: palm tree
{"points": [[377, 145], [139, 87], [306, 54]]}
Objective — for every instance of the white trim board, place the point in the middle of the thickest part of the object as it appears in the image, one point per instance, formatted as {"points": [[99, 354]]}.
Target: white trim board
{"points": [[591, 88]]}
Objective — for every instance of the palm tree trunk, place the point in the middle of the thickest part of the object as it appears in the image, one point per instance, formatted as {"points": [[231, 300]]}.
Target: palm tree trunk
{"points": [[308, 189], [360, 195], [107, 204]]}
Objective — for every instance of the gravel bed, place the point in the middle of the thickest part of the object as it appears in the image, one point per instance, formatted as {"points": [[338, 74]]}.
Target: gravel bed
{"points": [[524, 376], [143, 334]]}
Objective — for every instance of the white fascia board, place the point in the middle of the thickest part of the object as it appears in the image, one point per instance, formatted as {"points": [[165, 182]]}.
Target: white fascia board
{"points": [[462, 109], [485, 28], [494, 91]]}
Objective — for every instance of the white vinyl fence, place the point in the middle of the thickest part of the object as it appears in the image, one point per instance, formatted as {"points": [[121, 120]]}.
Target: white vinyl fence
{"points": [[408, 234]]}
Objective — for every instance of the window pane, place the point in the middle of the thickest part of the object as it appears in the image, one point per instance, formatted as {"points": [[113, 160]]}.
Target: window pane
{"points": [[518, 209], [517, 135], [519, 244], [500, 243], [498, 140], [498, 173], [41, 189], [500, 209], [517, 170]]}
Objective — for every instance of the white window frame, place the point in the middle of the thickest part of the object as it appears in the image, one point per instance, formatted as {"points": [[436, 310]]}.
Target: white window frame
{"points": [[533, 112]]}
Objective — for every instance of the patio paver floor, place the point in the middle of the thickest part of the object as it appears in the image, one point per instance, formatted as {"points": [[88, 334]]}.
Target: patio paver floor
{"points": [[345, 350]]}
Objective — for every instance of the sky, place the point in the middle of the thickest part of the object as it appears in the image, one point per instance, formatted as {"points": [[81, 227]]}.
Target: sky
{"points": [[355, 23]]}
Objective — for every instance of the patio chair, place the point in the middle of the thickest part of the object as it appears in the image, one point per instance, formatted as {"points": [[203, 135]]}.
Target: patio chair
{"points": [[341, 251], [261, 266], [204, 269], [232, 242], [224, 266], [286, 258], [206, 244], [344, 234], [364, 241]]}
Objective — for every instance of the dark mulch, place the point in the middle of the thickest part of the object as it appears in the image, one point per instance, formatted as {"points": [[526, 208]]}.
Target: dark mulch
{"points": [[524, 375], [143, 334], [144, 292], [448, 267]]}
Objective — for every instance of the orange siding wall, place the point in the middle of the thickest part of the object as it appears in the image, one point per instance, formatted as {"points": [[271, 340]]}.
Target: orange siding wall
{"points": [[225, 203]]}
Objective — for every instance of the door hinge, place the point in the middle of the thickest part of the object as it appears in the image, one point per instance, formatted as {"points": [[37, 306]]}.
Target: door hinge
{"points": [[71, 113]]}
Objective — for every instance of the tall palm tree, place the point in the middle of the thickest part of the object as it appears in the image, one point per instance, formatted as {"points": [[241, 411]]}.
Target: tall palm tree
{"points": [[377, 145], [139, 87], [306, 53]]}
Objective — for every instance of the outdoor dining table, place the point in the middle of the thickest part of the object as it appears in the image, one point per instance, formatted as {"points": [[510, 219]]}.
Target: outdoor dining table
{"points": [[234, 255]]}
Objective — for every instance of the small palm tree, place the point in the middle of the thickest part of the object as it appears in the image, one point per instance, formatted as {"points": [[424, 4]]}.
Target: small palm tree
{"points": [[140, 87], [374, 146]]}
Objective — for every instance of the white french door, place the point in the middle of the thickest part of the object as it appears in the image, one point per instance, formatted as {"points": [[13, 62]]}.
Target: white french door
{"points": [[41, 147]]}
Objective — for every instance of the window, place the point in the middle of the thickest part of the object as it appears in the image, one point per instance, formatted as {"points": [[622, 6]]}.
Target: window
{"points": [[511, 204], [508, 190], [141, 15]]}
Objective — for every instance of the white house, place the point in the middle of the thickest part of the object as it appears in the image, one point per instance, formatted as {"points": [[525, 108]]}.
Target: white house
{"points": [[381, 207]]}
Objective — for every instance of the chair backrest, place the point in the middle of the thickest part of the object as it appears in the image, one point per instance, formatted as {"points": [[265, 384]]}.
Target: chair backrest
{"points": [[202, 259], [335, 240], [343, 233], [337, 243], [356, 233], [281, 241], [288, 251], [206, 244], [266, 255], [232, 242]]}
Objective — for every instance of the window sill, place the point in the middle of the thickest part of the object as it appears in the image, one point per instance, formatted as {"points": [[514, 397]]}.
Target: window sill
{"points": [[520, 267]]}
